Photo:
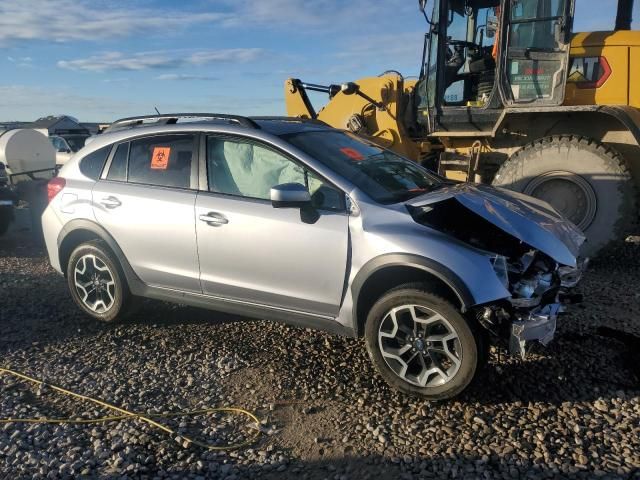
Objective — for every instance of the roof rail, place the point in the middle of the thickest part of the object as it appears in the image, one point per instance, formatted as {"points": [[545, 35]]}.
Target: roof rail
{"points": [[172, 118], [290, 119]]}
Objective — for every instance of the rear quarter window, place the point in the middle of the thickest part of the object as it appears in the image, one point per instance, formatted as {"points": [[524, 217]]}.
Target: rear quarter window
{"points": [[91, 165], [163, 160]]}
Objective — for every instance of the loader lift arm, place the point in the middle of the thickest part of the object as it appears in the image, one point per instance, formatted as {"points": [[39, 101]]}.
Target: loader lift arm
{"points": [[295, 86]]}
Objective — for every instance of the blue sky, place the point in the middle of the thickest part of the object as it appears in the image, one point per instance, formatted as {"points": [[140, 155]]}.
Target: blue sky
{"points": [[99, 60]]}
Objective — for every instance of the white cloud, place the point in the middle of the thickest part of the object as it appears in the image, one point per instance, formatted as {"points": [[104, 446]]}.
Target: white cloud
{"points": [[385, 51], [317, 15], [23, 62], [92, 20], [184, 76], [68, 20], [35, 102], [160, 59]]}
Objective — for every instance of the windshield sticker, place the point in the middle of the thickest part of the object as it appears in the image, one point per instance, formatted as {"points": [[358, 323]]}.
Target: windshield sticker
{"points": [[160, 158], [352, 154]]}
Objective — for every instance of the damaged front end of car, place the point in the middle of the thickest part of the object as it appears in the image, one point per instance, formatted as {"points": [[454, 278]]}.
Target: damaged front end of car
{"points": [[540, 288], [533, 250]]}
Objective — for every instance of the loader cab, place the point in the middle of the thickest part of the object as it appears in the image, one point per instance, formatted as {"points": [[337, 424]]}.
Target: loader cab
{"points": [[481, 56]]}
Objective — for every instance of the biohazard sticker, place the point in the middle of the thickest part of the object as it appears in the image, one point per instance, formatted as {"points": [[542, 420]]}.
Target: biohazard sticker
{"points": [[352, 153], [160, 158]]}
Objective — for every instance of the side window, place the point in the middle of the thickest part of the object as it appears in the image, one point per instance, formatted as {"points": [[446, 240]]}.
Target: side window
{"points": [[246, 169], [165, 160], [118, 168], [92, 164]]}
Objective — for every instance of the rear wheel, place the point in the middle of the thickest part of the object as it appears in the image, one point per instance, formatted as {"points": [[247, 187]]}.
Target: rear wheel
{"points": [[96, 282], [586, 181], [6, 215], [421, 344]]}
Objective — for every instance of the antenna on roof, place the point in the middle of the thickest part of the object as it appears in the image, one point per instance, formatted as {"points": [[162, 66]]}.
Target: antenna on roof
{"points": [[157, 111]]}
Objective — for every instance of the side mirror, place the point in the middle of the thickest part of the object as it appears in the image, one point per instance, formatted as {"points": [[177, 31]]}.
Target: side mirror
{"points": [[422, 4], [492, 27], [291, 195]]}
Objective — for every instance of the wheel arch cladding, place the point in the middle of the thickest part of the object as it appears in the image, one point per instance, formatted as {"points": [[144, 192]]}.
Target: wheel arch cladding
{"points": [[71, 241], [383, 273], [80, 231]]}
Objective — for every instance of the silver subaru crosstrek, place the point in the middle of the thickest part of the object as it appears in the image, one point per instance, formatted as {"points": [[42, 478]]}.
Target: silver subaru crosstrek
{"points": [[289, 219]]}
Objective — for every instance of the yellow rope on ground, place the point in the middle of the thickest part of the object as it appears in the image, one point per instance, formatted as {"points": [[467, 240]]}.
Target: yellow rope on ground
{"points": [[184, 440]]}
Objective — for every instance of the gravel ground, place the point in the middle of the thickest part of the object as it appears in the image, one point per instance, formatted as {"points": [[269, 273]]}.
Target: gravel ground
{"points": [[569, 411]]}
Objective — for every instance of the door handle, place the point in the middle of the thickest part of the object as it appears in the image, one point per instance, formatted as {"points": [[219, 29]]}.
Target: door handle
{"points": [[213, 218], [110, 202]]}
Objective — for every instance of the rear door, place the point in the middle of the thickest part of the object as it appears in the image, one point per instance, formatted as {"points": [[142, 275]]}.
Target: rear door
{"points": [[536, 37], [145, 200]]}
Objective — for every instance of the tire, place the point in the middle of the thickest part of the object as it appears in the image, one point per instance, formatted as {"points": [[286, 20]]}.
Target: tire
{"points": [[6, 216], [469, 349], [112, 301], [585, 180]]}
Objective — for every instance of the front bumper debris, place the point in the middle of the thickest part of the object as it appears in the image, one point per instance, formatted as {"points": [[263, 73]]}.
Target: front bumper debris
{"points": [[539, 325], [535, 312]]}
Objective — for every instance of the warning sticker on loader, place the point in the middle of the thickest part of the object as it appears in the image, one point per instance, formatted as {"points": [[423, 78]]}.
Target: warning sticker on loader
{"points": [[160, 158]]}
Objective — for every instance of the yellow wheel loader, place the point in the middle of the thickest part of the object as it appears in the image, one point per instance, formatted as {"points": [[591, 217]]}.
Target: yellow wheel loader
{"points": [[508, 95]]}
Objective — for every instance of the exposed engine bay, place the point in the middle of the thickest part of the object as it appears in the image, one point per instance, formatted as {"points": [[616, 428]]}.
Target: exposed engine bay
{"points": [[540, 288], [538, 272]]}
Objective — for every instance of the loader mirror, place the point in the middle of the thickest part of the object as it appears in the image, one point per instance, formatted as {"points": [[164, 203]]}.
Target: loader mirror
{"points": [[422, 5], [492, 27]]}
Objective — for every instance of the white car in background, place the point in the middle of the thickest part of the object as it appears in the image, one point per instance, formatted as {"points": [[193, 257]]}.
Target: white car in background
{"points": [[66, 147], [63, 149]]}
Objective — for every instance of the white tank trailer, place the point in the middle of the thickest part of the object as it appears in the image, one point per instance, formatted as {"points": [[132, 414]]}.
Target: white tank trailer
{"points": [[27, 162]]}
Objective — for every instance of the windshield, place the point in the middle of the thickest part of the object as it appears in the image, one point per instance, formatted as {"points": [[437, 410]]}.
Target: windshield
{"points": [[381, 174]]}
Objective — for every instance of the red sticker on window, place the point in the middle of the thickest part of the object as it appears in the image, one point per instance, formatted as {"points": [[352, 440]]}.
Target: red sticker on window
{"points": [[352, 154], [160, 158]]}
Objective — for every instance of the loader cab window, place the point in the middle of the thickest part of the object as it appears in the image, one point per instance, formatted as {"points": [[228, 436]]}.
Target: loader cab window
{"points": [[470, 63], [534, 23]]}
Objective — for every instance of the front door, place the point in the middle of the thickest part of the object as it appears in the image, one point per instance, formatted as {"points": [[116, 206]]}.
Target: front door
{"points": [[536, 36], [252, 252], [146, 202]]}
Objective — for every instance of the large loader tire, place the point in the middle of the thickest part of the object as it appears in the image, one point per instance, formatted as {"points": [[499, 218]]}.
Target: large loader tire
{"points": [[586, 181]]}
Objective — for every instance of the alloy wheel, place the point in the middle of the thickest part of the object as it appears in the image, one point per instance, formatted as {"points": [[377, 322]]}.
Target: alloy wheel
{"points": [[419, 345], [94, 283]]}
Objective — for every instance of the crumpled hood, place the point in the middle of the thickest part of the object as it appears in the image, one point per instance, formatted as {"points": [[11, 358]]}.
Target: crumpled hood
{"points": [[528, 219]]}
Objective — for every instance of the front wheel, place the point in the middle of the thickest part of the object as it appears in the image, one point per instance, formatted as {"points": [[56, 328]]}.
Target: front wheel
{"points": [[421, 344]]}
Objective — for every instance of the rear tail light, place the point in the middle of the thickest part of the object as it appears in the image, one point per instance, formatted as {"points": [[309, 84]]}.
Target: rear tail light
{"points": [[54, 186]]}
